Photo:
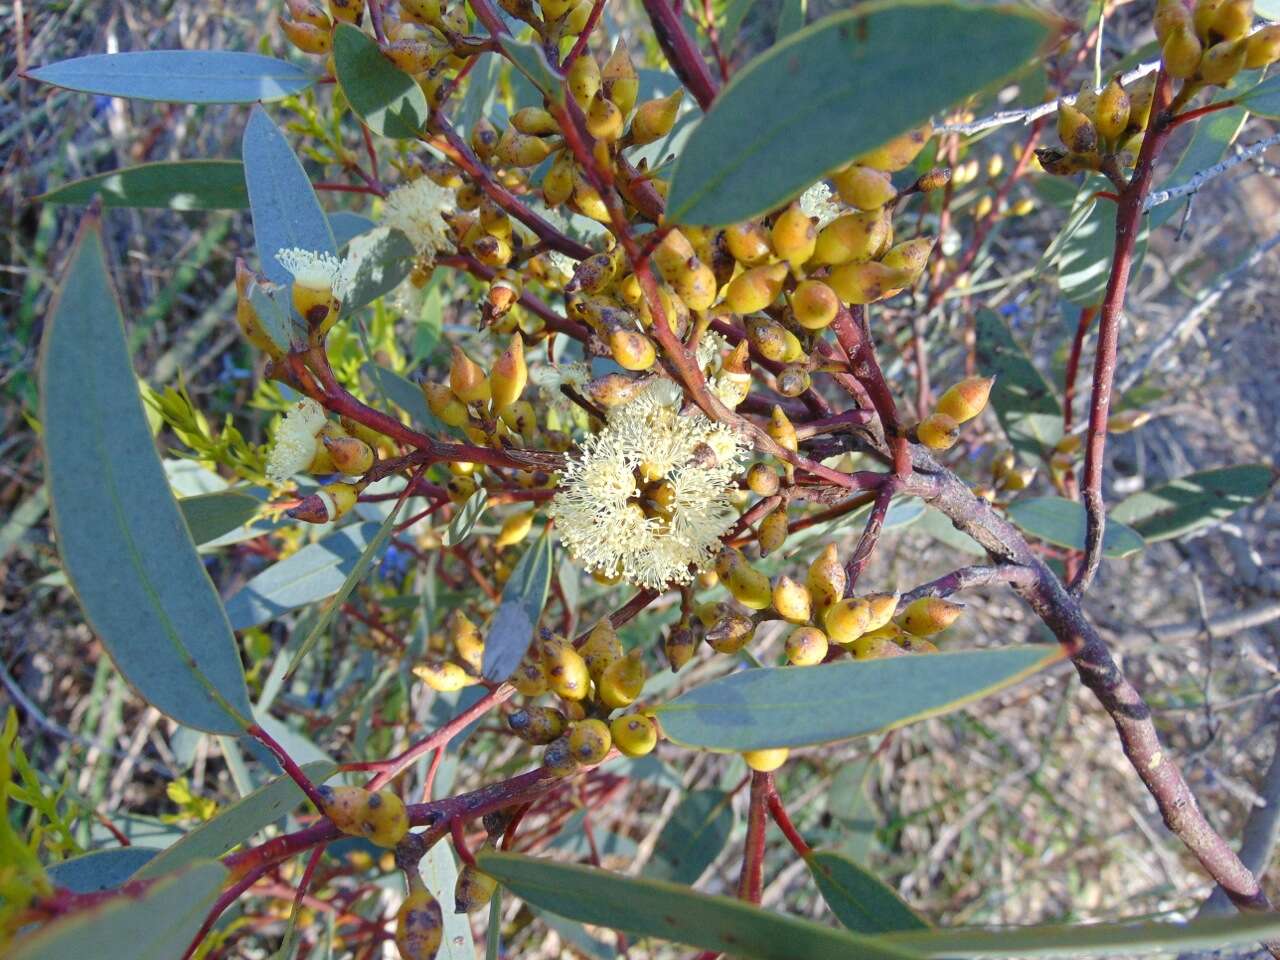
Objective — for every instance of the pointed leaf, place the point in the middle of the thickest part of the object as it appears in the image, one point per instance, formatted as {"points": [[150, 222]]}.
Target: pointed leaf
{"points": [[523, 596], [1062, 522], [211, 515], [313, 573], [383, 258], [1024, 402], [1084, 259], [285, 210], [176, 185], [440, 874], [387, 99], [180, 76], [693, 837], [1264, 99], [236, 823], [157, 924], [467, 517], [837, 89], [101, 869], [124, 545], [669, 911], [860, 900], [1195, 501], [782, 707]]}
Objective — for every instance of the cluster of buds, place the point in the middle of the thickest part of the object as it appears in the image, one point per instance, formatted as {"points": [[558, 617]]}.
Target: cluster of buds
{"points": [[1101, 128], [379, 817], [959, 404], [1211, 42]]}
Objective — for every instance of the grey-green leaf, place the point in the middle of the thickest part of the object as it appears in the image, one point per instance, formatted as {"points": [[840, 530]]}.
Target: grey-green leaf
{"points": [[236, 823], [1062, 522], [179, 76], [860, 900], [124, 544], [670, 911], [175, 185], [313, 573], [837, 89], [1211, 137], [693, 837], [779, 707], [211, 515], [1195, 501], [387, 99], [286, 213], [1264, 99], [1024, 401], [1084, 259], [467, 517], [382, 260], [100, 869], [523, 596], [157, 924]]}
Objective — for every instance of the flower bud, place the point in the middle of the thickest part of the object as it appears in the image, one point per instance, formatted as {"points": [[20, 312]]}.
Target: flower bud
{"points": [[793, 235], [846, 620], [444, 404], [864, 187], [584, 79], [385, 819], [1203, 14], [762, 479], [1075, 129], [874, 647], [938, 431], [782, 431], [748, 243], [965, 400], [748, 586], [1181, 53], [473, 889], [619, 79], [679, 647], [589, 742], [530, 678], [306, 11], [732, 631], [604, 119], [443, 676], [538, 725], [1263, 48], [632, 350], [519, 150], [853, 238], [509, 375], [349, 454], [345, 806], [557, 185], [910, 256], [929, 615], [634, 734], [793, 380], [534, 122], [1233, 19], [601, 648], [826, 578], [348, 11], [898, 153], [514, 529], [327, 504], [755, 289], [1113, 111], [467, 379], [558, 758], [567, 674], [766, 761], [621, 681], [880, 610], [307, 37], [464, 636], [791, 599], [1128, 420], [1223, 61], [806, 646], [1169, 15], [868, 282], [655, 118], [419, 926], [814, 305]]}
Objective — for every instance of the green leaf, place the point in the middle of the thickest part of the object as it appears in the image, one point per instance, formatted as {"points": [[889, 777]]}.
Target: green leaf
{"points": [[1084, 259], [693, 837], [1062, 522], [176, 185], [387, 99], [1024, 402], [124, 545], [493, 936], [523, 596], [403, 392], [179, 76], [285, 210], [382, 262], [1091, 939], [461, 525], [1193, 502], [575, 934], [937, 525], [354, 576], [780, 707], [791, 18], [529, 59], [211, 515], [1264, 99], [1210, 140], [155, 925], [346, 226], [860, 900], [837, 89], [236, 823], [669, 911], [440, 874], [313, 573], [101, 869]]}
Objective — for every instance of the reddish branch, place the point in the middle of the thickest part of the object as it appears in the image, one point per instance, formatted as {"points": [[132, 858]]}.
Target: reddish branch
{"points": [[1128, 223], [751, 879], [681, 52], [779, 814]]}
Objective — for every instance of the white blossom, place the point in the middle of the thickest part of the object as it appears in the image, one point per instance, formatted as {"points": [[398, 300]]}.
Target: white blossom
{"points": [[817, 202], [294, 445], [417, 210], [317, 271]]}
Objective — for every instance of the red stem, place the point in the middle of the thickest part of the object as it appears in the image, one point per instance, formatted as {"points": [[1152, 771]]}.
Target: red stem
{"points": [[751, 880], [682, 53], [286, 762], [779, 814]]}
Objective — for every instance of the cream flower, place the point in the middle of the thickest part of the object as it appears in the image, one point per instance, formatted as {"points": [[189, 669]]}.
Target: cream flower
{"points": [[317, 271], [417, 210], [647, 498], [817, 202], [294, 445]]}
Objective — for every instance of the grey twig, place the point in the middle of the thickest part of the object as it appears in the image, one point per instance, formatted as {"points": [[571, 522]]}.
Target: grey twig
{"points": [[1199, 179]]}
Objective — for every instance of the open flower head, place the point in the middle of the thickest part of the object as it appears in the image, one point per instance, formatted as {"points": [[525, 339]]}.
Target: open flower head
{"points": [[417, 210], [818, 202], [294, 445], [317, 271], [647, 498]]}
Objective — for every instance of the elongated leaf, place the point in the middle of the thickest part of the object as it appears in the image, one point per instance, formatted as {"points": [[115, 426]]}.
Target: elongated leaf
{"points": [[693, 837], [440, 874], [464, 522], [669, 911], [791, 18], [357, 573], [383, 258], [1024, 402], [1264, 99], [859, 899], [1092, 939], [1084, 260], [523, 596], [123, 541], [285, 210], [155, 925], [387, 99], [179, 76], [529, 59], [837, 89], [176, 185], [1062, 522], [101, 869], [1210, 140], [236, 823], [313, 573], [576, 934], [406, 395], [211, 515], [779, 707], [1195, 501], [346, 226]]}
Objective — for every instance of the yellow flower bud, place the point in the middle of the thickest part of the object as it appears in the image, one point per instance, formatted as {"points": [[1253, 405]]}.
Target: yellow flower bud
{"points": [[520, 150], [1203, 15], [557, 185], [307, 37], [781, 430], [826, 578], [345, 806], [634, 734], [473, 890], [755, 289], [938, 431], [537, 725], [622, 681], [1169, 15], [509, 375], [766, 761], [733, 631], [385, 819], [773, 531], [898, 153], [1128, 420], [748, 586], [793, 235], [329, 503], [349, 454], [846, 620], [1113, 111], [584, 79], [853, 238], [589, 742], [1075, 129], [1263, 48], [419, 926], [247, 317], [348, 11], [868, 282], [530, 678], [679, 648], [929, 615], [567, 674], [814, 305], [467, 379], [443, 676], [558, 758], [880, 610], [910, 256], [806, 646], [965, 400], [655, 118], [864, 187], [514, 529], [632, 350], [791, 600], [748, 243], [620, 81], [1181, 53], [1223, 61], [534, 122]]}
